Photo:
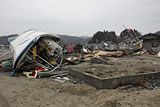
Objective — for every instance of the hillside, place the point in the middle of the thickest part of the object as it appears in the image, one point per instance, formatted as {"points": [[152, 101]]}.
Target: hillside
{"points": [[65, 39], [158, 33], [96, 38], [73, 39]]}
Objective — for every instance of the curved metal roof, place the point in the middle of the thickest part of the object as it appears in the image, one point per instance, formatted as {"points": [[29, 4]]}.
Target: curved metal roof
{"points": [[23, 42]]}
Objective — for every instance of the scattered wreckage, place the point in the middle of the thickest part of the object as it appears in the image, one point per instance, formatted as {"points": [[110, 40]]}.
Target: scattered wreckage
{"points": [[35, 52]]}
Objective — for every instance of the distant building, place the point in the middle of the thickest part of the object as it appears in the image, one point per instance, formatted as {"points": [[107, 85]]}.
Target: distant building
{"points": [[150, 41]]}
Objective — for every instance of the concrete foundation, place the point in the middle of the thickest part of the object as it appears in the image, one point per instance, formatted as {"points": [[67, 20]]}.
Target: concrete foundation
{"points": [[111, 83]]}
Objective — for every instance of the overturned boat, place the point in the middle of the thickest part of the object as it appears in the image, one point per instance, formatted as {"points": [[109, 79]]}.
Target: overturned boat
{"points": [[36, 51]]}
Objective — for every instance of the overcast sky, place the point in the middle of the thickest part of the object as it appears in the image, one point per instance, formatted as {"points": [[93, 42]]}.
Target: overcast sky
{"points": [[79, 17]]}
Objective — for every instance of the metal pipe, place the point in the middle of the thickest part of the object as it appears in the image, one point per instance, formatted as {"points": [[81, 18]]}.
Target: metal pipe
{"points": [[39, 64], [44, 60], [55, 67]]}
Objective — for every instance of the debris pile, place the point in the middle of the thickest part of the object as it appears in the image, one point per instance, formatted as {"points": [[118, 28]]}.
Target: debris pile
{"points": [[35, 52]]}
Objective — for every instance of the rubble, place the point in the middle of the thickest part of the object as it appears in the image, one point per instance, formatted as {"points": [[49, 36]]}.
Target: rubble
{"points": [[110, 54], [61, 77], [36, 49], [74, 58]]}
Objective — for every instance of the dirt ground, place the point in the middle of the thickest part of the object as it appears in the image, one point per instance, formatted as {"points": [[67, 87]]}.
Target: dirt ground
{"points": [[119, 66], [45, 92]]}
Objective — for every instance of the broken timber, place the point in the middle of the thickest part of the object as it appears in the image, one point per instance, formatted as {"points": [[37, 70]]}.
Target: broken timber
{"points": [[111, 83]]}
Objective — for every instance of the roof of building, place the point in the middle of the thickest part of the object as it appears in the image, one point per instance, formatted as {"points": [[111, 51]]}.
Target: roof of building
{"points": [[149, 35]]}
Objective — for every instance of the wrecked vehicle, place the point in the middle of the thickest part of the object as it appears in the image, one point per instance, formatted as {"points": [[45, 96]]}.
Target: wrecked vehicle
{"points": [[36, 51]]}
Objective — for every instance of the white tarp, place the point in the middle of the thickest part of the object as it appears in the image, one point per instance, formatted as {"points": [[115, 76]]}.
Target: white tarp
{"points": [[21, 45]]}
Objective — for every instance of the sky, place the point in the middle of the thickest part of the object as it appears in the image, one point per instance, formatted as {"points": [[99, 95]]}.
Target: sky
{"points": [[79, 17]]}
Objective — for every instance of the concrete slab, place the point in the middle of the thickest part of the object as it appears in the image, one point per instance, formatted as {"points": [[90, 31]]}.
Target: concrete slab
{"points": [[111, 83]]}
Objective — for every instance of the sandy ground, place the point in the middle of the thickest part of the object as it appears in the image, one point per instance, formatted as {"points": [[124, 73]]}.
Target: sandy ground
{"points": [[45, 92]]}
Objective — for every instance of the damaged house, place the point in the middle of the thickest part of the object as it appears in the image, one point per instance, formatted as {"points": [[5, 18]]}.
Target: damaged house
{"points": [[150, 41]]}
